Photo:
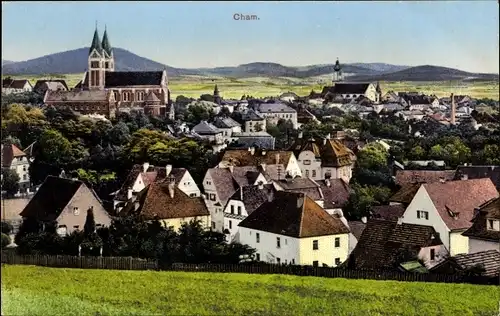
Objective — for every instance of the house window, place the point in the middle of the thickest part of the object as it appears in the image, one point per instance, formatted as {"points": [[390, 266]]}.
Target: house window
{"points": [[315, 264], [257, 237], [286, 241], [116, 95], [293, 261], [239, 210], [232, 209], [278, 260], [24, 168], [257, 256], [94, 64], [76, 227], [314, 173], [337, 242], [230, 225], [337, 261], [212, 197], [140, 96], [209, 183], [192, 195], [306, 162], [307, 173], [423, 214], [315, 245], [25, 177], [213, 225], [491, 225], [76, 211], [433, 254], [126, 96], [62, 230], [278, 242]]}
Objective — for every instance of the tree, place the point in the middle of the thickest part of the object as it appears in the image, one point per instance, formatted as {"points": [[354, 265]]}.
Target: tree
{"points": [[197, 112], [207, 97], [5, 240], [10, 181], [89, 226], [372, 156], [6, 228], [363, 199]]}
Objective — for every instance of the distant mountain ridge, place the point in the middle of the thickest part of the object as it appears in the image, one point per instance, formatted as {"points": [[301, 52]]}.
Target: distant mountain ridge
{"points": [[75, 61]]}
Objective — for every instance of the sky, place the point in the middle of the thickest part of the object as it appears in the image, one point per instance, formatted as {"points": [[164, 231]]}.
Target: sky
{"points": [[456, 34]]}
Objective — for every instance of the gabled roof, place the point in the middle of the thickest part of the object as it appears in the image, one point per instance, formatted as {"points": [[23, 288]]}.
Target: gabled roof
{"points": [[224, 183], [275, 108], [388, 212], [51, 84], [14, 83], [254, 196], [489, 259], [51, 198], [225, 122], [455, 201], [295, 215], [157, 200], [479, 229], [406, 193], [357, 228], [205, 128], [244, 157], [9, 152], [331, 151], [151, 175], [152, 97], [251, 115], [115, 79], [301, 185], [404, 177], [336, 192], [477, 172], [383, 241], [77, 96]]}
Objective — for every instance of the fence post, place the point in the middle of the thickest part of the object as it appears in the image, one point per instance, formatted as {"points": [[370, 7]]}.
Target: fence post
{"points": [[130, 263]]}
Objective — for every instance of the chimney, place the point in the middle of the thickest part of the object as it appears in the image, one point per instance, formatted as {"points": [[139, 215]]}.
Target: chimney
{"points": [[171, 189], [129, 194], [452, 110], [261, 185], [277, 159], [400, 220], [476, 212], [328, 183], [324, 141], [263, 166], [270, 196], [328, 136], [363, 219], [168, 170], [301, 134], [241, 193], [145, 166], [231, 168]]}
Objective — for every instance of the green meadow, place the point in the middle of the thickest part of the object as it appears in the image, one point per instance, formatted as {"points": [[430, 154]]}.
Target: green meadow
{"points": [[30, 290], [194, 86]]}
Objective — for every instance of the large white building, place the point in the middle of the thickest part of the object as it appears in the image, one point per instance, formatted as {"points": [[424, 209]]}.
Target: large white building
{"points": [[15, 159], [273, 112]]}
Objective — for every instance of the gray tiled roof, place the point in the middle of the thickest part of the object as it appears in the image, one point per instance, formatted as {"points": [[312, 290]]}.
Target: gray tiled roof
{"points": [[251, 115], [253, 196], [63, 96], [275, 107], [225, 122], [204, 128]]}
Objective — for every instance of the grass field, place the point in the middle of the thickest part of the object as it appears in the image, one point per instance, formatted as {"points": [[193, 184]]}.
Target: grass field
{"points": [[194, 86], [29, 290]]}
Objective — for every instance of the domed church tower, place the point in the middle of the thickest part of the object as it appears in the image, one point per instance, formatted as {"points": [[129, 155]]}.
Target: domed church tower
{"points": [[337, 75]]}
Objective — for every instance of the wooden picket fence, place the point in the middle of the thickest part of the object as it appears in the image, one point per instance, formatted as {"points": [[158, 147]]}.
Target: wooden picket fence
{"points": [[129, 263]]}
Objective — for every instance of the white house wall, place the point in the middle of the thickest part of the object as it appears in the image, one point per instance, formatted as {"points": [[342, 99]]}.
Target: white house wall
{"points": [[478, 245], [188, 186], [309, 165], [459, 244], [267, 245], [440, 253], [212, 198]]}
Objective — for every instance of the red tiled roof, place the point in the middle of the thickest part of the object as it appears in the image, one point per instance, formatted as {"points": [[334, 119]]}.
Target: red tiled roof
{"points": [[456, 200], [423, 176]]}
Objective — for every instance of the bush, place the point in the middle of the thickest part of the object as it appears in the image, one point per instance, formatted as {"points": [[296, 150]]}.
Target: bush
{"points": [[6, 228], [5, 240]]}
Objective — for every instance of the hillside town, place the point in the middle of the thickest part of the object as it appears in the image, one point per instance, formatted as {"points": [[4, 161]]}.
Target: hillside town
{"points": [[349, 177]]}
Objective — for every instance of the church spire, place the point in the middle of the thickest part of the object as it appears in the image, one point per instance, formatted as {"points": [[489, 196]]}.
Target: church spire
{"points": [[105, 42], [216, 91], [96, 42]]}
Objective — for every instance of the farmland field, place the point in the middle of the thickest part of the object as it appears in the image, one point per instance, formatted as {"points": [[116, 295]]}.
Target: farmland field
{"points": [[30, 290], [194, 86]]}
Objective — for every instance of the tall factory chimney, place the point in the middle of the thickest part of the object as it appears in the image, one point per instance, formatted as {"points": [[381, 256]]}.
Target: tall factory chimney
{"points": [[453, 110]]}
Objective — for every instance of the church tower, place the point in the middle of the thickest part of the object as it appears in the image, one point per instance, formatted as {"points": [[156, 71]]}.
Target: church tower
{"points": [[216, 95], [96, 64], [109, 60], [337, 75]]}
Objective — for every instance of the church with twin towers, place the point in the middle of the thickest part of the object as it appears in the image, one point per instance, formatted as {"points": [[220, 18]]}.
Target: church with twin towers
{"points": [[104, 91]]}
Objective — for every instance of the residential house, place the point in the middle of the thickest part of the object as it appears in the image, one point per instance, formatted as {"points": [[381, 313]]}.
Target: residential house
{"points": [[391, 212], [404, 177], [273, 112], [323, 158], [41, 86], [15, 159], [411, 115], [489, 260], [168, 204], [301, 185], [242, 203], [391, 97], [351, 91], [288, 97], [477, 172], [10, 86], [449, 208], [261, 140], [386, 244], [219, 184], [294, 229], [209, 132], [67, 202], [419, 101], [258, 157], [405, 195], [226, 125], [304, 116], [140, 176], [254, 122], [484, 234]]}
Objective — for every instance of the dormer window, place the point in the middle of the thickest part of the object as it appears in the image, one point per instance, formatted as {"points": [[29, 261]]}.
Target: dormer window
{"points": [[94, 64], [492, 224]]}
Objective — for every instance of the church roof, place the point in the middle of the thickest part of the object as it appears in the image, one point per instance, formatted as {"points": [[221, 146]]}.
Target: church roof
{"points": [[69, 96], [128, 78], [96, 43], [347, 88], [105, 43]]}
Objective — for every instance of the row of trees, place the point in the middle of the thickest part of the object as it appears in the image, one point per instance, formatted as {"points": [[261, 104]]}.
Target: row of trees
{"points": [[134, 237]]}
